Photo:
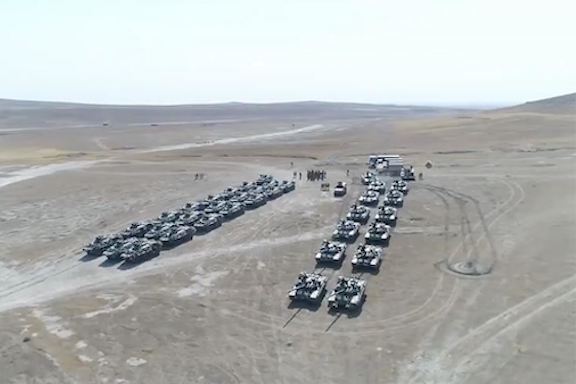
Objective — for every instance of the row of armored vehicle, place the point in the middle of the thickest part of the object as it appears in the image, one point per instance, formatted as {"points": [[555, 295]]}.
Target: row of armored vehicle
{"points": [[350, 292], [144, 240]]}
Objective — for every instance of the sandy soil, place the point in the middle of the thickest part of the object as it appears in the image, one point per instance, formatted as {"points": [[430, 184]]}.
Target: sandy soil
{"points": [[501, 193]]}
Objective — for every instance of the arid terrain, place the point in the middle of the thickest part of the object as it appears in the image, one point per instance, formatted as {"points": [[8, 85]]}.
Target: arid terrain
{"points": [[500, 193]]}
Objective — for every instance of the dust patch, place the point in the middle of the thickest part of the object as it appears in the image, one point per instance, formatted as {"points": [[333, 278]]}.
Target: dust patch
{"points": [[201, 284]]}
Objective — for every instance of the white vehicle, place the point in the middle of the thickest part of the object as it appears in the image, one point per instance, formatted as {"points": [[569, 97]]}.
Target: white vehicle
{"points": [[340, 189], [369, 198], [349, 294], [387, 215], [367, 257], [378, 233], [310, 287], [346, 230], [331, 252]]}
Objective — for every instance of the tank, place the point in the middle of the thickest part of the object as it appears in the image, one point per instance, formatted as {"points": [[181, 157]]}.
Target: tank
{"points": [[101, 244], [274, 192], [331, 252], [367, 178], [215, 207], [340, 189], [309, 287], [141, 250], [137, 229], [378, 186], [400, 185], [264, 179], [288, 186], [387, 215], [394, 198], [189, 218], [349, 294], [255, 200], [359, 214], [367, 256], [114, 252], [378, 233], [369, 198], [158, 230], [346, 230], [208, 223], [232, 210], [177, 235], [168, 217]]}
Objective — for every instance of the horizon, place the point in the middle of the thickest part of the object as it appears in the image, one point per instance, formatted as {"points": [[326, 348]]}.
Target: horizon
{"points": [[175, 53]]}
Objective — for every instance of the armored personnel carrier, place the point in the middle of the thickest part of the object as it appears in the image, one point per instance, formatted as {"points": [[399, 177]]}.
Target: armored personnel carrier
{"points": [[368, 177], [349, 294], [208, 223], [255, 200], [288, 186], [177, 235], [232, 210], [378, 233], [340, 189], [346, 230], [309, 287], [369, 198], [367, 256], [101, 244], [387, 215], [141, 250], [400, 185], [377, 185], [394, 198], [359, 214], [331, 252]]}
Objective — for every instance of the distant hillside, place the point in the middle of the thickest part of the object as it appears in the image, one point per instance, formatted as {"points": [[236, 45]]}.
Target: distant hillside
{"points": [[20, 113], [565, 105]]}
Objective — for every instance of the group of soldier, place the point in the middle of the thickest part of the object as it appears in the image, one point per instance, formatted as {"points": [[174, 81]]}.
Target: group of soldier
{"points": [[315, 175]]}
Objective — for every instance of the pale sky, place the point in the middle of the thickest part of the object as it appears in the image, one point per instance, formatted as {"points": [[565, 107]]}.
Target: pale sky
{"points": [[193, 51]]}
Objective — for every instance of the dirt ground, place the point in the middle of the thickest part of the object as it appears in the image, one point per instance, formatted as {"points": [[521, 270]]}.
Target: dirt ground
{"points": [[215, 310]]}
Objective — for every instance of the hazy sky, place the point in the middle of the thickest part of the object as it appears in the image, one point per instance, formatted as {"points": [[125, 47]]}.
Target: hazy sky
{"points": [[192, 51]]}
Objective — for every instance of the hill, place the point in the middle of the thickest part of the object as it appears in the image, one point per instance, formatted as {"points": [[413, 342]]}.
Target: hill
{"points": [[565, 105]]}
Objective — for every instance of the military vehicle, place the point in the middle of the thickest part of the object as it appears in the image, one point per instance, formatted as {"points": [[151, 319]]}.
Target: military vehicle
{"points": [[207, 223], [349, 294], [387, 215], [114, 252], [232, 210], [288, 186], [400, 185], [359, 214], [264, 179], [331, 252], [274, 193], [189, 218], [369, 198], [137, 229], [394, 198], [158, 230], [216, 207], [346, 230], [168, 217], [309, 287], [255, 200], [177, 235], [140, 250], [378, 186], [367, 256], [378, 233], [101, 244], [368, 177], [340, 189], [407, 173]]}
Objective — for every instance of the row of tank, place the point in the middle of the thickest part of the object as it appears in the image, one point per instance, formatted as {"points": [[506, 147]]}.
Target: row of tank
{"points": [[144, 240], [349, 293]]}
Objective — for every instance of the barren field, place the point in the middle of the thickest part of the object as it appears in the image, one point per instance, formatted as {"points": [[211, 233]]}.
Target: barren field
{"points": [[215, 310]]}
